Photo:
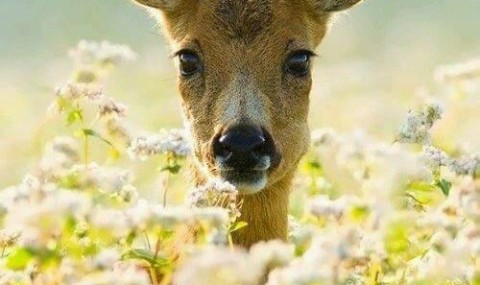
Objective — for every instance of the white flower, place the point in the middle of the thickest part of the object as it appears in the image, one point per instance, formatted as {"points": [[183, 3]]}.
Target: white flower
{"points": [[173, 141], [321, 262], [323, 136], [28, 188], [128, 193], [272, 254], [108, 106], [465, 166], [128, 274], [216, 193], [40, 219], [458, 72], [106, 258], [59, 155], [172, 216], [8, 277], [435, 157], [216, 216], [217, 237], [140, 214], [75, 90], [212, 193], [322, 206], [117, 128], [440, 219], [390, 168], [143, 214], [417, 125], [112, 220], [8, 238], [112, 180], [93, 53], [437, 266], [109, 180], [469, 199], [301, 235], [301, 272], [69, 270], [218, 266]]}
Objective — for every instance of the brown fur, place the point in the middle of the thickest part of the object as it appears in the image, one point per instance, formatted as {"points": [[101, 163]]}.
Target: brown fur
{"points": [[243, 45]]}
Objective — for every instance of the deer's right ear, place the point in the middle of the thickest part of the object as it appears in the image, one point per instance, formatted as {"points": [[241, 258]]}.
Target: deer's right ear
{"points": [[335, 5], [159, 4]]}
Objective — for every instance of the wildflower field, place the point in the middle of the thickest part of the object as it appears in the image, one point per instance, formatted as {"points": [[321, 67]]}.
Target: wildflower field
{"points": [[388, 194]]}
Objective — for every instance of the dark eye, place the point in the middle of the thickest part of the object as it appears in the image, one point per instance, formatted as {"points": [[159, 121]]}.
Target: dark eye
{"points": [[189, 63], [298, 63]]}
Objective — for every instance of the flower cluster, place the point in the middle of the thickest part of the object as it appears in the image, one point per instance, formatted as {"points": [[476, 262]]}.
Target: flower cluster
{"points": [[437, 158], [362, 211], [173, 141], [459, 72], [93, 60], [74, 91], [92, 53], [417, 125]]}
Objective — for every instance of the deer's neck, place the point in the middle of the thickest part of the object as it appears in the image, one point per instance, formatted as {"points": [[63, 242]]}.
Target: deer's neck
{"points": [[266, 213]]}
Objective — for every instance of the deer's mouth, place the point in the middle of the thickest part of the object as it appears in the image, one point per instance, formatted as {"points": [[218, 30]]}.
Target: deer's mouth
{"points": [[246, 181]]}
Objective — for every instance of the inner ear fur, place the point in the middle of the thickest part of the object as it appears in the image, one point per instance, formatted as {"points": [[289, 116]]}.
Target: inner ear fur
{"points": [[159, 4], [335, 5]]}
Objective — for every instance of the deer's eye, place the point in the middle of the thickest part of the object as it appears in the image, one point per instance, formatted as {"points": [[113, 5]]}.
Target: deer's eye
{"points": [[189, 63], [298, 63]]}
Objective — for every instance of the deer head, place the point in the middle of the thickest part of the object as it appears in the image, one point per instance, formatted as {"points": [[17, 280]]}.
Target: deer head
{"points": [[244, 78]]}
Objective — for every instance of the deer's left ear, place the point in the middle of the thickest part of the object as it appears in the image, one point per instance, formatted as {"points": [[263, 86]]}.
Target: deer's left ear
{"points": [[335, 5], [159, 4]]}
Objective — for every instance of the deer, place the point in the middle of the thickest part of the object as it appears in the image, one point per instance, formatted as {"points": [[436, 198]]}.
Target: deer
{"points": [[244, 78]]}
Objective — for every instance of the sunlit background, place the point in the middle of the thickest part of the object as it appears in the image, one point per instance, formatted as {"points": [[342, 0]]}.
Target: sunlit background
{"points": [[377, 62]]}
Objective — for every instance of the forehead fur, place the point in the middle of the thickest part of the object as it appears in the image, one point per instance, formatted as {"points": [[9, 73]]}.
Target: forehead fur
{"points": [[243, 19]]}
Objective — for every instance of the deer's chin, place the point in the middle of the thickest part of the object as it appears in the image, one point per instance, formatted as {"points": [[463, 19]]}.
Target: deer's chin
{"points": [[247, 182]]}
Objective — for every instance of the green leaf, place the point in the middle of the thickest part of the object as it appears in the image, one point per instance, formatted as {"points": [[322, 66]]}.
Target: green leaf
{"points": [[238, 225], [314, 164], [93, 133], [75, 115], [166, 234], [172, 168], [131, 238], [421, 186], [359, 213], [396, 238], [445, 186], [63, 104], [19, 259], [148, 256]]}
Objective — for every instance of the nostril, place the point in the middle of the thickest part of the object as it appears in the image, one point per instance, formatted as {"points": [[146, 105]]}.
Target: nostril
{"points": [[225, 149], [260, 147], [220, 149]]}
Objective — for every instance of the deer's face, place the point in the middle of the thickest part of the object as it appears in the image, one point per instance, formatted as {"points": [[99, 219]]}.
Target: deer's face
{"points": [[245, 77]]}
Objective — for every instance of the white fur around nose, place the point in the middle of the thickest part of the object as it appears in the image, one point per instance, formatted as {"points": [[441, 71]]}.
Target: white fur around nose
{"points": [[243, 102]]}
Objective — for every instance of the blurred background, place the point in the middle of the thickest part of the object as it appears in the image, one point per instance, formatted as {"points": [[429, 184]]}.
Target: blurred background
{"points": [[375, 65]]}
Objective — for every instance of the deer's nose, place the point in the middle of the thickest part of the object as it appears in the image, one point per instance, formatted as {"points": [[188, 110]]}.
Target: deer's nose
{"points": [[242, 147]]}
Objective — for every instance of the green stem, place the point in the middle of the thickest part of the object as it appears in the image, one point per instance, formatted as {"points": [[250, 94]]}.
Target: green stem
{"points": [[85, 149]]}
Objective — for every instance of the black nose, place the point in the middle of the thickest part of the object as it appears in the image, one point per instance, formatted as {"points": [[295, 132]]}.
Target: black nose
{"points": [[244, 147]]}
